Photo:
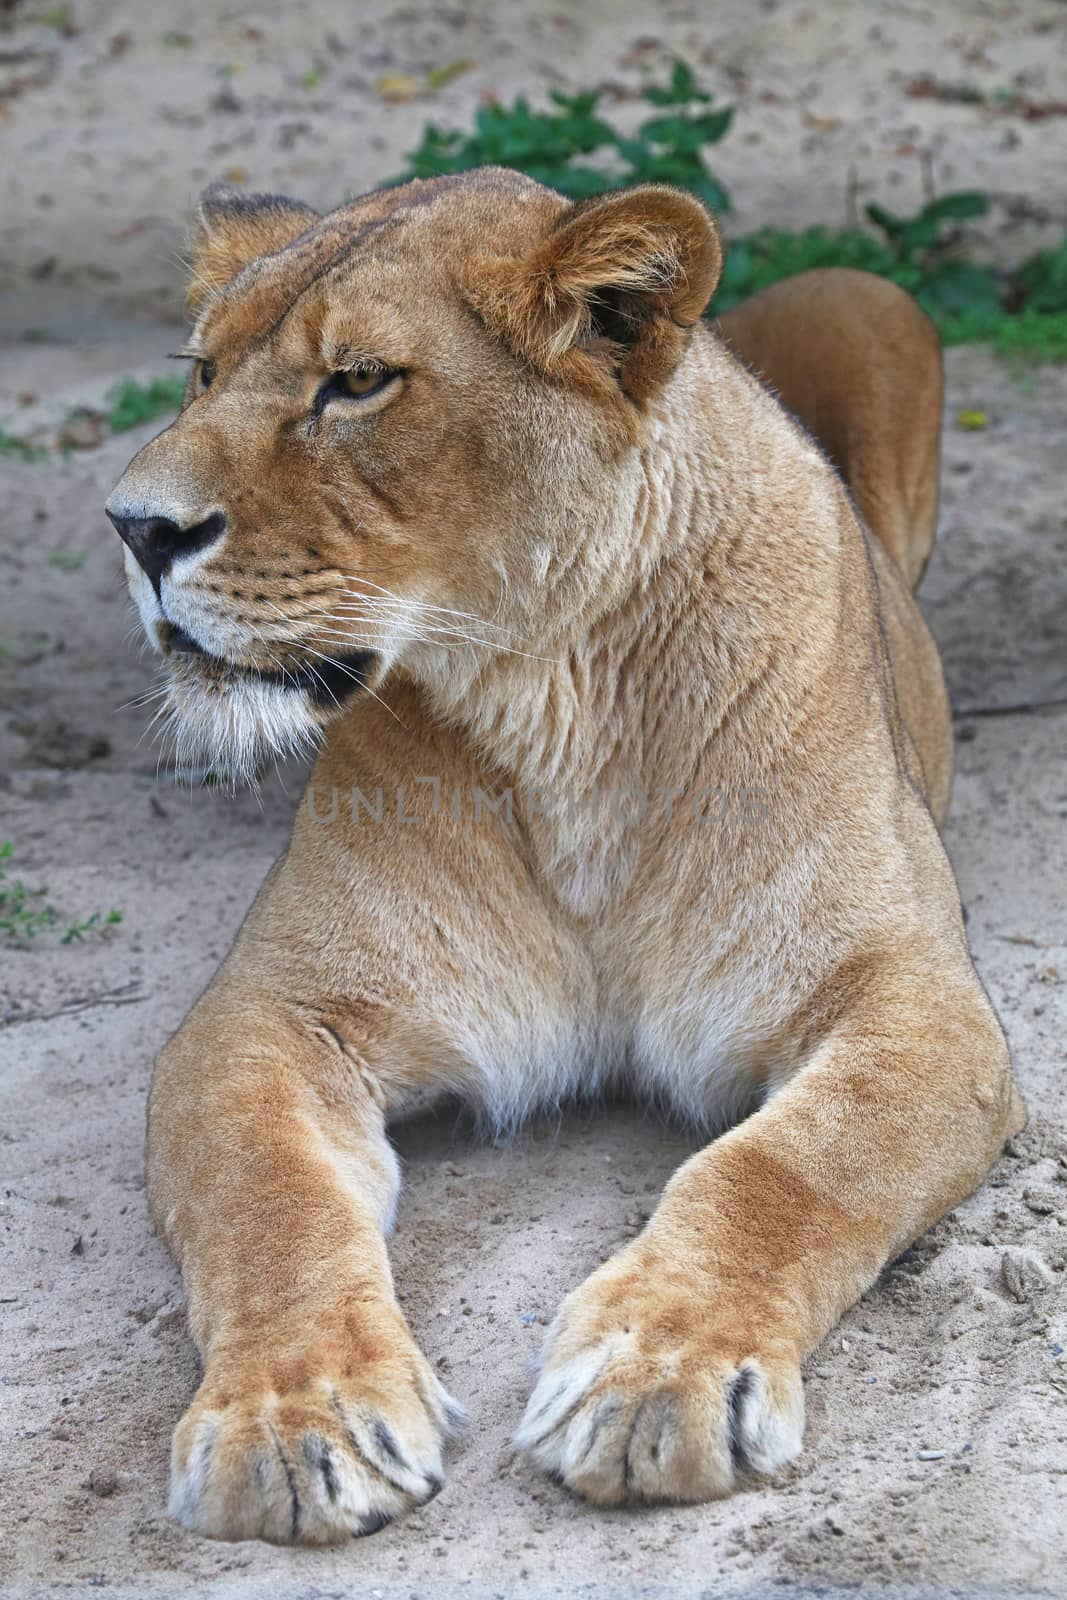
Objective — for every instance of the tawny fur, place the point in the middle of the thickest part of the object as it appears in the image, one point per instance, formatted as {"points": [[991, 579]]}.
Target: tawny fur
{"points": [[647, 798], [884, 431]]}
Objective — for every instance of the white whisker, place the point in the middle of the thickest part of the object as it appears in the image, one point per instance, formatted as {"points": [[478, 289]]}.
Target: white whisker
{"points": [[364, 686], [420, 605], [444, 636], [143, 699]]}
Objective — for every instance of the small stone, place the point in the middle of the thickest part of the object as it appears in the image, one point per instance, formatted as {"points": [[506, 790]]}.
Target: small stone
{"points": [[932, 1455], [226, 100], [83, 430], [1024, 1274], [103, 1483]]}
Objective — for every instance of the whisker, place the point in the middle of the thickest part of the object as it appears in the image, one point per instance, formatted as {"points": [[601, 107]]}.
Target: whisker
{"points": [[439, 628], [142, 699], [421, 605], [441, 636], [330, 662], [320, 680]]}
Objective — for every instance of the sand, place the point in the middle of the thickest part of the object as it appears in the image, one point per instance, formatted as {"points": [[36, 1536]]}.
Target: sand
{"points": [[936, 1454]]}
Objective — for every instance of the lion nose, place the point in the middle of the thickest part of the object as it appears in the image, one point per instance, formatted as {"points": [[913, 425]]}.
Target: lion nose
{"points": [[155, 542]]}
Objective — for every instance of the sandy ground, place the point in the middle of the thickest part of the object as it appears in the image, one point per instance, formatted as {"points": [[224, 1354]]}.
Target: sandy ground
{"points": [[937, 1439]]}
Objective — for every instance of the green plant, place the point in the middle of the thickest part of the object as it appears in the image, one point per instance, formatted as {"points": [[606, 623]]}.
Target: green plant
{"points": [[1025, 335], [22, 449], [1040, 284], [131, 403], [967, 302], [946, 283], [75, 934], [551, 145], [25, 913], [757, 260], [1023, 313], [910, 238]]}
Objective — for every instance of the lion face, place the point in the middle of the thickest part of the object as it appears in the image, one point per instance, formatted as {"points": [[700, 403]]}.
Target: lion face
{"points": [[403, 443]]}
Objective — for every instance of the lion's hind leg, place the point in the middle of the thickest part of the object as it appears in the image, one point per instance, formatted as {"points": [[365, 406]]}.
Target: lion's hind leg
{"points": [[857, 362]]}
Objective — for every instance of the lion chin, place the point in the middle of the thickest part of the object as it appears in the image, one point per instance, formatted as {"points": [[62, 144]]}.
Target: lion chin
{"points": [[229, 723], [229, 732]]}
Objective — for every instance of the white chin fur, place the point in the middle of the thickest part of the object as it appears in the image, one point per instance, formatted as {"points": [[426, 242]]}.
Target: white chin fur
{"points": [[233, 731]]}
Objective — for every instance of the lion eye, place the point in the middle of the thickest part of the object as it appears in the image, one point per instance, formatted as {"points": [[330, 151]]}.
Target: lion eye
{"points": [[205, 374], [359, 382]]}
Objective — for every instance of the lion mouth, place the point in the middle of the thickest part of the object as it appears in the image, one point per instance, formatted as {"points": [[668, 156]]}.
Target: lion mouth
{"points": [[325, 681], [178, 642]]}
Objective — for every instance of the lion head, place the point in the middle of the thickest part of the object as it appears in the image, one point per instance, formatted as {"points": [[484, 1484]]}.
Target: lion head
{"points": [[407, 440]]}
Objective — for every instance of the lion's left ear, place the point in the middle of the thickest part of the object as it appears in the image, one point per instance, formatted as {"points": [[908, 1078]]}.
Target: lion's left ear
{"points": [[234, 228], [628, 273]]}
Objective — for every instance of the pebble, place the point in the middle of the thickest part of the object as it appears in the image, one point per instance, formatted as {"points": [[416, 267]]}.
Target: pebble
{"points": [[1041, 1201], [83, 431], [1024, 1274], [932, 1455]]}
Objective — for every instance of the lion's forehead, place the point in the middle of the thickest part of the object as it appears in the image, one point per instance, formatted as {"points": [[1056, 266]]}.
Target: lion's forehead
{"points": [[439, 219], [265, 292]]}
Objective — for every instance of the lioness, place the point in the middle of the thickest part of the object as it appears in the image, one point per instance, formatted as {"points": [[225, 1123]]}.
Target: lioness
{"points": [[649, 747]]}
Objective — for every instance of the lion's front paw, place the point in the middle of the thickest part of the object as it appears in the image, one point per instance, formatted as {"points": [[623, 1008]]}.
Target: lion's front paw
{"points": [[312, 1461], [656, 1393]]}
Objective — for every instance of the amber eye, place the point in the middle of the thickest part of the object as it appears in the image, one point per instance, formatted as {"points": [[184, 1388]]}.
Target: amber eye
{"points": [[359, 382], [355, 383]]}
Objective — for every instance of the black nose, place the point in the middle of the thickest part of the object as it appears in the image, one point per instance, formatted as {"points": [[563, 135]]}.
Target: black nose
{"points": [[156, 541]]}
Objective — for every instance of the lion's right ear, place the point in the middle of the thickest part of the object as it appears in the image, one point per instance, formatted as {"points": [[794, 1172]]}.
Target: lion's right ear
{"points": [[233, 229]]}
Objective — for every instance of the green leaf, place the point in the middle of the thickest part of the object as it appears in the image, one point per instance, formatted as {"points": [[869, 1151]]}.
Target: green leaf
{"points": [[715, 124], [957, 207], [581, 104], [683, 84], [889, 224], [1041, 282], [712, 192], [681, 91], [960, 286]]}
